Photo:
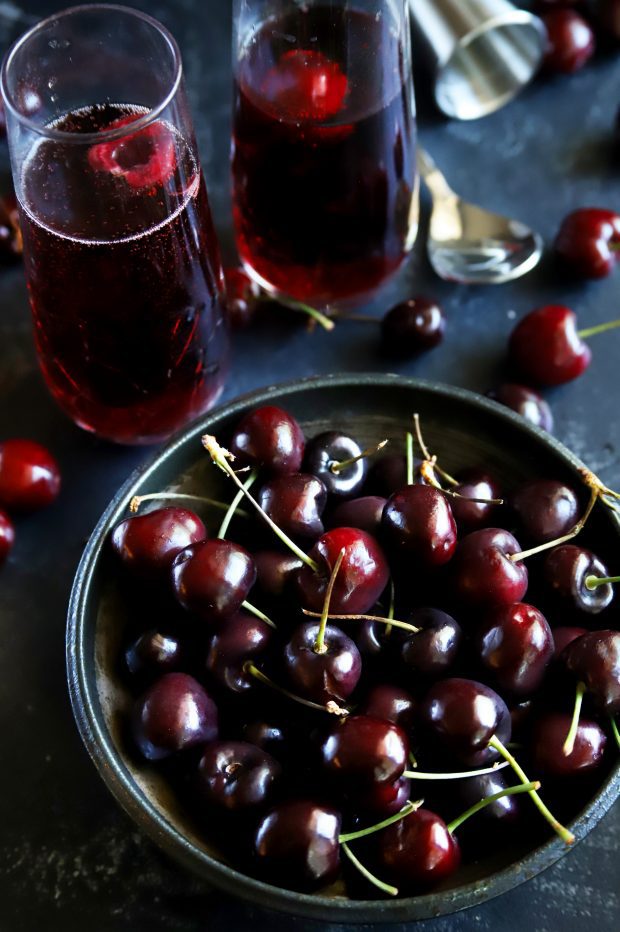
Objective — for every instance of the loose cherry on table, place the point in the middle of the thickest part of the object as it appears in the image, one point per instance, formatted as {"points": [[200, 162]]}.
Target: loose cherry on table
{"points": [[242, 638], [412, 327], [269, 438], [565, 570], [484, 574], [235, 776], [362, 752], [588, 242], [295, 503], [434, 649], [339, 462], [546, 509], [175, 714], [212, 578], [548, 745], [526, 402], [7, 536], [473, 484], [147, 544], [418, 520], [570, 41], [516, 645], [29, 476]]}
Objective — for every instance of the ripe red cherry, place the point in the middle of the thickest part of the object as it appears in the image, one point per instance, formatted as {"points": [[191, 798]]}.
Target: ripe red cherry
{"points": [[269, 438], [470, 515], [143, 159], [241, 297], [546, 348], [418, 851], [392, 704], [212, 578], [381, 800], [595, 661], [276, 572], [412, 327], [305, 85], [296, 845], [173, 715], [546, 509], [570, 41], [322, 677], [547, 745], [526, 402], [565, 569], [361, 752], [147, 544], [516, 645], [7, 536], [29, 476], [295, 503], [483, 573], [154, 653], [363, 574], [364, 513], [235, 776], [588, 242], [434, 649], [243, 637], [563, 636], [418, 520]]}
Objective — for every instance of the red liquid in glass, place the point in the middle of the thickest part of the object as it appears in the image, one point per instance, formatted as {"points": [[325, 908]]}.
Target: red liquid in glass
{"points": [[124, 277], [325, 199]]}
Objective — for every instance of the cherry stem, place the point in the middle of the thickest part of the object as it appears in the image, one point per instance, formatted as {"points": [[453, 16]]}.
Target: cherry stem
{"points": [[566, 836], [337, 468], [421, 775], [384, 887], [385, 621], [221, 457], [137, 500], [600, 328], [412, 760], [319, 645], [524, 554], [256, 611], [432, 459], [593, 581], [390, 614], [332, 707], [488, 800], [569, 745], [407, 809], [232, 508], [427, 471], [409, 443], [303, 308], [614, 729]]}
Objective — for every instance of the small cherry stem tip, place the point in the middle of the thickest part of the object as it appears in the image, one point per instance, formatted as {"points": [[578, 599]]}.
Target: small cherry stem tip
{"points": [[385, 621], [457, 775], [340, 466], [379, 884], [320, 646], [592, 582], [233, 507], [599, 328], [432, 460], [409, 449], [332, 707], [569, 745], [407, 809], [614, 730], [136, 501], [257, 612], [489, 800]]}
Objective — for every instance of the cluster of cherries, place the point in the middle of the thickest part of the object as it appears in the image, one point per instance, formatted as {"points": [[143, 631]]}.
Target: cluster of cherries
{"points": [[294, 685], [29, 480]]}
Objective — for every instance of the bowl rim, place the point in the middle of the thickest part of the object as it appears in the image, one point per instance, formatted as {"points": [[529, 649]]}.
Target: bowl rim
{"points": [[99, 743]]}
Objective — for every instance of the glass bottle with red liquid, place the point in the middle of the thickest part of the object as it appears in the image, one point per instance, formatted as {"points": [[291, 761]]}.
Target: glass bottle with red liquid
{"points": [[325, 185], [121, 258]]}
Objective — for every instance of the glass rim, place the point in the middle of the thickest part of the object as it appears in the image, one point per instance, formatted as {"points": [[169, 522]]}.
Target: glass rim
{"points": [[106, 134]]}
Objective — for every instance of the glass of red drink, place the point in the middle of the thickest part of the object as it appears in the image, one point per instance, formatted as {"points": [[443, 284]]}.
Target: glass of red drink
{"points": [[324, 175], [121, 258]]}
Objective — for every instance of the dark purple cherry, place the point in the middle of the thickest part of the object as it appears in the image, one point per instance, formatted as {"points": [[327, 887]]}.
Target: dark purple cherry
{"points": [[382, 800], [565, 569], [595, 661], [268, 736], [387, 474], [563, 636], [463, 716], [296, 845], [236, 777], [173, 715], [546, 509], [147, 544], [269, 438], [502, 813], [547, 744], [515, 644], [418, 851], [154, 652], [390, 703], [364, 513], [412, 327], [323, 454], [433, 650], [276, 571], [469, 515], [363, 575], [240, 639], [570, 41], [295, 503], [362, 752], [322, 677], [526, 402], [212, 578], [418, 520], [483, 573]]}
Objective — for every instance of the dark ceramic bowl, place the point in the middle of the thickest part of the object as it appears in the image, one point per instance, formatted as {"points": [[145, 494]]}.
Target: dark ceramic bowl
{"points": [[466, 430]]}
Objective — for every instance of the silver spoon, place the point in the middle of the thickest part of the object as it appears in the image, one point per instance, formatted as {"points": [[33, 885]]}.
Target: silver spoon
{"points": [[469, 244]]}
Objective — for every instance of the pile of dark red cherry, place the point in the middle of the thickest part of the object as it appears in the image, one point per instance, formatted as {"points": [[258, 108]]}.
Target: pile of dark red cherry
{"points": [[305, 688]]}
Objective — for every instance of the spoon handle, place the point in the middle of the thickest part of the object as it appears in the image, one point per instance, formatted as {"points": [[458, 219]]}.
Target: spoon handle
{"points": [[432, 176]]}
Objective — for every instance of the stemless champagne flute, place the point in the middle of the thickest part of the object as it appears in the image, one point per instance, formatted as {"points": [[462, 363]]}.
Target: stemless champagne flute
{"points": [[324, 172], [121, 258]]}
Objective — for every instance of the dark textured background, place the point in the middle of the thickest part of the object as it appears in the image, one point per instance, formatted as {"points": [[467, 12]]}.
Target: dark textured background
{"points": [[69, 859]]}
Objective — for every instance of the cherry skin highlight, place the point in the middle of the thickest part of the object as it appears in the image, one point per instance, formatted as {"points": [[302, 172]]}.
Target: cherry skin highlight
{"points": [[526, 402], [148, 544], [7, 536], [588, 241], [418, 851], [418, 521], [212, 578], [362, 751], [570, 41], [173, 715], [29, 476], [483, 574], [322, 677], [235, 776], [545, 347], [565, 569], [516, 645], [269, 438]]}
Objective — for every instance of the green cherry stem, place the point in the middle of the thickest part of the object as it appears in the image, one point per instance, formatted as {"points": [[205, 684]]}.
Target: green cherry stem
{"points": [[569, 745], [332, 707], [312, 312], [488, 800], [232, 508], [407, 809], [256, 611], [221, 458], [379, 884], [386, 621], [614, 729], [137, 500], [337, 468], [320, 646], [390, 614], [600, 328], [593, 581], [409, 448], [524, 554], [566, 836], [421, 775]]}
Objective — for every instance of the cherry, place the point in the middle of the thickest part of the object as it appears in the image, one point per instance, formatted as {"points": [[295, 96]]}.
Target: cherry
{"points": [[154, 653], [295, 502], [388, 474], [236, 777], [547, 744], [484, 574], [362, 752], [242, 294], [413, 327], [7, 536], [143, 159], [268, 736], [275, 571], [433, 650], [212, 578], [269, 438], [418, 851], [565, 570], [363, 575], [502, 813], [588, 241], [546, 348], [563, 636], [594, 658], [390, 703], [419, 521], [570, 41], [326, 452], [364, 513], [471, 515], [526, 402], [148, 544], [29, 476], [304, 85], [516, 645], [173, 715], [546, 509], [11, 242], [464, 715], [327, 676], [383, 799], [243, 637]]}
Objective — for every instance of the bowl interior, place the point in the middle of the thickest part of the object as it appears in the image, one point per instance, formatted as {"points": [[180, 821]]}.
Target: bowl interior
{"points": [[464, 430]]}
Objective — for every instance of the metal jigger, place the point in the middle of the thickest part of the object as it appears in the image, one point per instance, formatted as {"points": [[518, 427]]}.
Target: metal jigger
{"points": [[481, 52]]}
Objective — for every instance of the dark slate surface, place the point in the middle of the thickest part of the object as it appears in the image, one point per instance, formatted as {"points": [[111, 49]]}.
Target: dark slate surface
{"points": [[69, 859]]}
